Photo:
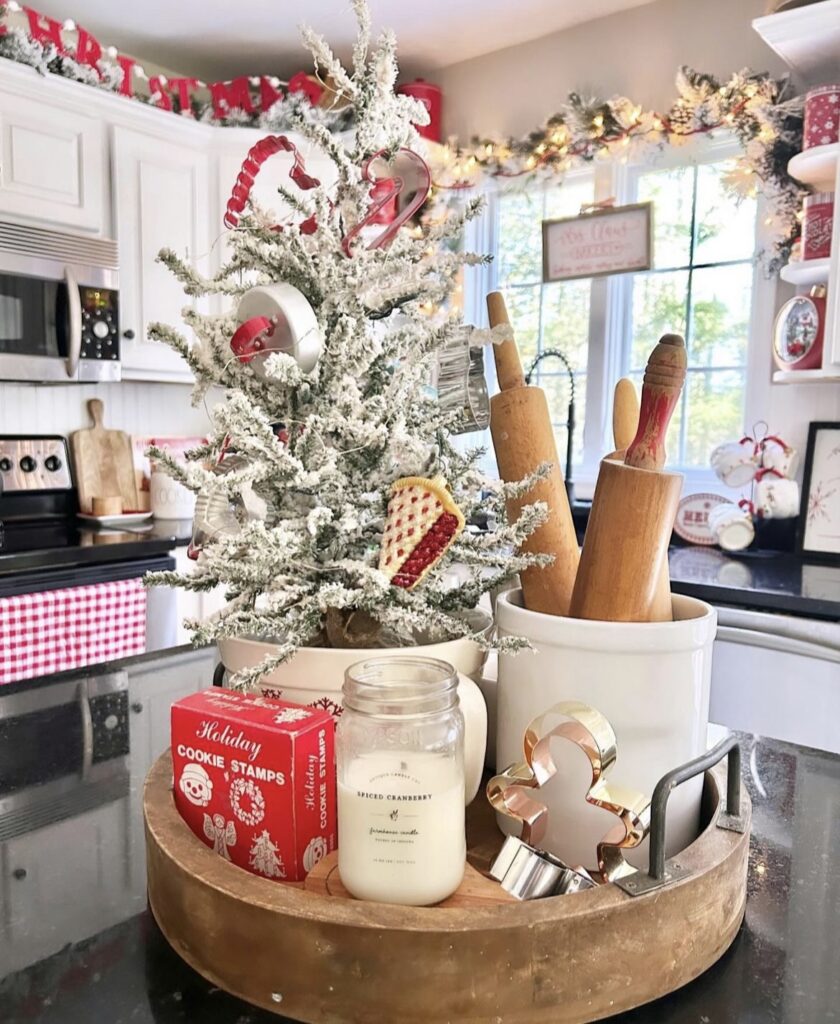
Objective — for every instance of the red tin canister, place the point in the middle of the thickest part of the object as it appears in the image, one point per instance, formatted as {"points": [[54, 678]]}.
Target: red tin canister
{"points": [[432, 99], [822, 116], [816, 226]]}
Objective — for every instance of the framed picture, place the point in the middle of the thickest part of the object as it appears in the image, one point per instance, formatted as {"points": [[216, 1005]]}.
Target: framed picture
{"points": [[615, 240], [819, 518]]}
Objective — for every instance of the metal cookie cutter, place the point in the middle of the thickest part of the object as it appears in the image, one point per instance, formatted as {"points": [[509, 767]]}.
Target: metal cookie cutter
{"points": [[531, 874], [590, 730]]}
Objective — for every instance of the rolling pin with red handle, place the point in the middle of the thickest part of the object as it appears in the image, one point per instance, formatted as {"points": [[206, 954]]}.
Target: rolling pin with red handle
{"points": [[624, 559], [523, 438]]}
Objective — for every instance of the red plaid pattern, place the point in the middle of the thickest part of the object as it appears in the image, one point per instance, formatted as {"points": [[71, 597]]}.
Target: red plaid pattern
{"points": [[70, 628]]}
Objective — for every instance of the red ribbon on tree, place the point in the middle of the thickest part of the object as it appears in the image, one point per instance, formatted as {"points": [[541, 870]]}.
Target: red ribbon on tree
{"points": [[257, 156], [249, 338]]}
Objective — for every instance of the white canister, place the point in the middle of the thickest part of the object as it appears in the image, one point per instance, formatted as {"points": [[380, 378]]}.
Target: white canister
{"points": [[169, 498], [651, 680]]}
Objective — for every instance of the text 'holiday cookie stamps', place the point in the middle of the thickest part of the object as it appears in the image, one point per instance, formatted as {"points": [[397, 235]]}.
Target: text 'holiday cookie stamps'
{"points": [[254, 779]]}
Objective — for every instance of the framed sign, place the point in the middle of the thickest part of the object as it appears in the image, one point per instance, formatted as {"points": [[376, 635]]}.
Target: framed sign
{"points": [[819, 519], [615, 240]]}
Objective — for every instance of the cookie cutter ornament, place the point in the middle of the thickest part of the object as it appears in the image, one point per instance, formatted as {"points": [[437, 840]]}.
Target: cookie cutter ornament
{"points": [[276, 318], [513, 792]]}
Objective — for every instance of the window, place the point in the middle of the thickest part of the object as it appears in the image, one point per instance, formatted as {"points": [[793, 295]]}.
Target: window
{"points": [[701, 286]]}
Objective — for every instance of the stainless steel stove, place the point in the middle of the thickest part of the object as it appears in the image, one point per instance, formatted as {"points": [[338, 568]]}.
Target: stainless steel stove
{"points": [[42, 542]]}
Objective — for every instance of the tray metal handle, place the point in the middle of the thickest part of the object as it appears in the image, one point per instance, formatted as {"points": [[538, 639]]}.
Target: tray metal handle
{"points": [[729, 817]]}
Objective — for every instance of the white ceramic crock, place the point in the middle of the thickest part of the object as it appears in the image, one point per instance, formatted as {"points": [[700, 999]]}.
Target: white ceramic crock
{"points": [[651, 680], [169, 499], [314, 677]]}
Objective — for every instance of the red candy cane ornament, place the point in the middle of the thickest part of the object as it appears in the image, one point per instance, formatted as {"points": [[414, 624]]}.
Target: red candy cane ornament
{"points": [[257, 156], [410, 172]]}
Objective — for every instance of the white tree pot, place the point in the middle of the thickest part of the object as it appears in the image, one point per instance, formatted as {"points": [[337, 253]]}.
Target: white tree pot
{"points": [[314, 677], [651, 680]]}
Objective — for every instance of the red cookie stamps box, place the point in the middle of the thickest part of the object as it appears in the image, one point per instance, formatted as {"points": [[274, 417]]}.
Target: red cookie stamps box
{"points": [[254, 779]]}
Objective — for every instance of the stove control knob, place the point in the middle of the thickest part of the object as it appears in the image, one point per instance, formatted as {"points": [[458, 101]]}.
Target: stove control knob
{"points": [[28, 464], [100, 329], [53, 463], [5, 464]]}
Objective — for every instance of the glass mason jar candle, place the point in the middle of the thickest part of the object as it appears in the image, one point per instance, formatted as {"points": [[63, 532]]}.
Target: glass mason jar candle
{"points": [[400, 763]]}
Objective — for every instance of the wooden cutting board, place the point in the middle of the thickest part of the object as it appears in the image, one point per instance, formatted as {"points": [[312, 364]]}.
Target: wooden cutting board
{"points": [[103, 462]]}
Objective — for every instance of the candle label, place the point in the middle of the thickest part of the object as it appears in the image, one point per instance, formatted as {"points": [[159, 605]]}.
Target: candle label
{"points": [[402, 828]]}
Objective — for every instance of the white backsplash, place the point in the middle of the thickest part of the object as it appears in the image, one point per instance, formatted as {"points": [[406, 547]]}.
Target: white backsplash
{"points": [[134, 406]]}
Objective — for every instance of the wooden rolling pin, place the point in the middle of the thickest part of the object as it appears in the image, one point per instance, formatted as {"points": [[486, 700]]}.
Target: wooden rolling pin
{"points": [[625, 414], [624, 561], [523, 438], [625, 425]]}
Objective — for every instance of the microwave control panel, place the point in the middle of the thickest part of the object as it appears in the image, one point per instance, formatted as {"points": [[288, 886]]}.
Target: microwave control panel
{"points": [[100, 324]]}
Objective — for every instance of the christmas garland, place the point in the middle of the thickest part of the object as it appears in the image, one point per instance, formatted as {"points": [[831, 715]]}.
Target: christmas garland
{"points": [[755, 107], [70, 51]]}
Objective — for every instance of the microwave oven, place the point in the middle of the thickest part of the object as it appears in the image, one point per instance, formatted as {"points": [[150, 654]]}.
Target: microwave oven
{"points": [[59, 306]]}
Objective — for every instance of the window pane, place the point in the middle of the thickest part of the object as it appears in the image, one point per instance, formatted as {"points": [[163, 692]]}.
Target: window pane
{"points": [[659, 302], [565, 322], [556, 388], [523, 306], [725, 230], [670, 190], [714, 412], [520, 238], [567, 200], [720, 316]]}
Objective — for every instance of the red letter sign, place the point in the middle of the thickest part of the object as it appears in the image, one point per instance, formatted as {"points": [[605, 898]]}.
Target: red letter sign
{"points": [[228, 96]]}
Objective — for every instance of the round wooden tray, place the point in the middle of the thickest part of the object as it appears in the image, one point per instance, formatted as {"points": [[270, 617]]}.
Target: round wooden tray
{"points": [[319, 957]]}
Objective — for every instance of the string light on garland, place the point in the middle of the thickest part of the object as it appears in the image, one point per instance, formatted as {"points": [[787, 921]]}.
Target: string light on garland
{"points": [[755, 107]]}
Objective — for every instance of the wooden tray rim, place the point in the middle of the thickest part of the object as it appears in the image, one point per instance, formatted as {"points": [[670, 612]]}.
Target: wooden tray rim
{"points": [[712, 848]]}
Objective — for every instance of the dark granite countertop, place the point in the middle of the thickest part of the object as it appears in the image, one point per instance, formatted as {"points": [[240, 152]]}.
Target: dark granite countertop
{"points": [[78, 946], [768, 581]]}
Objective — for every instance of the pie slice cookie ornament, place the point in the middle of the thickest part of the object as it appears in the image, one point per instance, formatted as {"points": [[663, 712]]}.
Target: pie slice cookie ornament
{"points": [[422, 522]]}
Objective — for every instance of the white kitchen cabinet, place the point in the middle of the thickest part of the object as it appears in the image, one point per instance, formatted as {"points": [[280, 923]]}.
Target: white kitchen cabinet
{"points": [[38, 916], [52, 160], [193, 604], [161, 200], [777, 675], [153, 687]]}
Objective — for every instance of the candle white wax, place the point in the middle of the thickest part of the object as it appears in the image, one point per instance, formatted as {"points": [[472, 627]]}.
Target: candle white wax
{"points": [[401, 827]]}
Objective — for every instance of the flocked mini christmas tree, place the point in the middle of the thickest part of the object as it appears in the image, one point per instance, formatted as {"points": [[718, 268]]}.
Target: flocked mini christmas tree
{"points": [[330, 426]]}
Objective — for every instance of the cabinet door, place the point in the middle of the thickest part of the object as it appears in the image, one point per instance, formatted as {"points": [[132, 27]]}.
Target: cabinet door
{"points": [[161, 201], [51, 163], [153, 687], [193, 604], [63, 883]]}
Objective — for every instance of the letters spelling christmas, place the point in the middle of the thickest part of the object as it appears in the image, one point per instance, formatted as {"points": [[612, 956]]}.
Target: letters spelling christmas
{"points": [[254, 779]]}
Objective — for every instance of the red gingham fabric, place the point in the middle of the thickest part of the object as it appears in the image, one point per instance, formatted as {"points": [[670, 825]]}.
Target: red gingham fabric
{"points": [[70, 628]]}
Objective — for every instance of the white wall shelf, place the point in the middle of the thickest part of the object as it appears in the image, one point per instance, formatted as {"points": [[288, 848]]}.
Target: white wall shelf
{"points": [[806, 38], [806, 272], [806, 377], [816, 166]]}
